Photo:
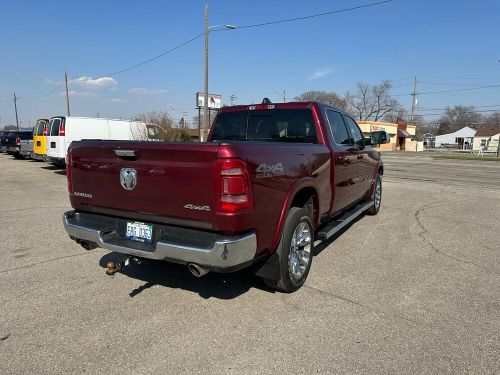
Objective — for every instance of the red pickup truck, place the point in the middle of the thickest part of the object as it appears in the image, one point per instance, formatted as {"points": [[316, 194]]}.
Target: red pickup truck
{"points": [[271, 180]]}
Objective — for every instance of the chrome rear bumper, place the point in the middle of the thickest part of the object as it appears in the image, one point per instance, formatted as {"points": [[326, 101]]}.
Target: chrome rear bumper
{"points": [[170, 243]]}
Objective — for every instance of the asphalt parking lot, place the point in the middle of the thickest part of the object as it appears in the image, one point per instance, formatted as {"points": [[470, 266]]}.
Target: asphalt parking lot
{"points": [[415, 289]]}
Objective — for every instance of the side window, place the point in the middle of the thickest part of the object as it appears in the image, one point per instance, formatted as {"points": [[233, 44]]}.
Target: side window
{"points": [[356, 134], [339, 131]]}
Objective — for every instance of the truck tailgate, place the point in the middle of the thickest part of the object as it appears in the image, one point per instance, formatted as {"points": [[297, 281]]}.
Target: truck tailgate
{"points": [[174, 182]]}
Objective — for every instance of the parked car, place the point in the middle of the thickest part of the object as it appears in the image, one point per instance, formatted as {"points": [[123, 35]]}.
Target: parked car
{"points": [[40, 139], [26, 148], [271, 180], [64, 130], [12, 142], [3, 135]]}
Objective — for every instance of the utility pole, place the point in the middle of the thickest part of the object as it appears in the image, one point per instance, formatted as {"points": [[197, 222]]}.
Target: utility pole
{"points": [[413, 98], [67, 95], [284, 96], [15, 107], [205, 91], [232, 98]]}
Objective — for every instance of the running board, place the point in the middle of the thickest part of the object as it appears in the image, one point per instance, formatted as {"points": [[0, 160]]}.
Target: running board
{"points": [[337, 224]]}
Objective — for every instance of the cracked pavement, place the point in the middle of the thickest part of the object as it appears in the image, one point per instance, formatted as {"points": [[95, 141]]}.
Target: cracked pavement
{"points": [[415, 289]]}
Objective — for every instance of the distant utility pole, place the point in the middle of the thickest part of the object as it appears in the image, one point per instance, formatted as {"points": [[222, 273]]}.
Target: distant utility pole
{"points": [[284, 96], [67, 95], [15, 107], [413, 98], [232, 98]]}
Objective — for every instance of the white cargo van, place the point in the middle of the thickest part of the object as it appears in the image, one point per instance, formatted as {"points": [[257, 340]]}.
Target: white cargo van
{"points": [[64, 130]]}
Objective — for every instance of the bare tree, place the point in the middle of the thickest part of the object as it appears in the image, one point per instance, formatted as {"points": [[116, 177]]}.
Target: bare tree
{"points": [[457, 117], [492, 120], [330, 98], [398, 113], [371, 102], [158, 126]]}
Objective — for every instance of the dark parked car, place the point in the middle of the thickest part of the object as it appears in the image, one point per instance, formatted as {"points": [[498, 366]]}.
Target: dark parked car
{"points": [[12, 141]]}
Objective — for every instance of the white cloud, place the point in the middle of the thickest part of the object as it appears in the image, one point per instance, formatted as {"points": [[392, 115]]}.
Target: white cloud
{"points": [[319, 73], [144, 91], [94, 83], [117, 100], [78, 94]]}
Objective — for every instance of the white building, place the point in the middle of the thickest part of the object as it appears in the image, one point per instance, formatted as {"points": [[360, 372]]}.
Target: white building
{"points": [[461, 139], [487, 139]]}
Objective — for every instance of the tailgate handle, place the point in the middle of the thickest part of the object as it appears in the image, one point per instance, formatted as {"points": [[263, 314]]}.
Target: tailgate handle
{"points": [[126, 154]]}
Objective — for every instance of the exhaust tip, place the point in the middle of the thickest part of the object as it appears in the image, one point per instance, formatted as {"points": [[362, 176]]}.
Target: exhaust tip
{"points": [[197, 270]]}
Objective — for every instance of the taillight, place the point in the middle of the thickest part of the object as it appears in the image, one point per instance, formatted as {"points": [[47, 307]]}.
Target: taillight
{"points": [[45, 130], [62, 128], [68, 171], [234, 188], [261, 106], [18, 141]]}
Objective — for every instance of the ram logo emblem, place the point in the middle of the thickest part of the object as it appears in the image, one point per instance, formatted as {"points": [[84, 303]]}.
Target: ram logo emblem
{"points": [[128, 178]]}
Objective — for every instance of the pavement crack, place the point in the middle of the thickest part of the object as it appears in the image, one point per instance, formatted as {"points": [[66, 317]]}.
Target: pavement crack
{"points": [[6, 337], [379, 311], [47, 261], [424, 230]]}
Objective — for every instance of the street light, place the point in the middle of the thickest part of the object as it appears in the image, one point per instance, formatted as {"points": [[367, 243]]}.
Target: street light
{"points": [[205, 91]]}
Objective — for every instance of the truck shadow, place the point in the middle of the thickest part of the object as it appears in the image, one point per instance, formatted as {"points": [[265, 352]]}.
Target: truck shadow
{"points": [[56, 169], [213, 285]]}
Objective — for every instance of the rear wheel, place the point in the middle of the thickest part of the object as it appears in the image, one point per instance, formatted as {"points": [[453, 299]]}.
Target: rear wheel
{"points": [[295, 251], [377, 197]]}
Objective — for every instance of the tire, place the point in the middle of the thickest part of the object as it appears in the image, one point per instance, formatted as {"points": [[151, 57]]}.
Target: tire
{"points": [[297, 224], [377, 197]]}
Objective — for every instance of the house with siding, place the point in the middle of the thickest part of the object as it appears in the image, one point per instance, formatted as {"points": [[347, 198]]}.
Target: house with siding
{"points": [[487, 138]]}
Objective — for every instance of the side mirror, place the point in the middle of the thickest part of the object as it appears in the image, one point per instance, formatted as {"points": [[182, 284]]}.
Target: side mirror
{"points": [[379, 137]]}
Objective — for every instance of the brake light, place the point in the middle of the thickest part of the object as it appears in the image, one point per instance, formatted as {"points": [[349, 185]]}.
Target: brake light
{"points": [[69, 160], [45, 130], [235, 194], [62, 128], [261, 106], [18, 141]]}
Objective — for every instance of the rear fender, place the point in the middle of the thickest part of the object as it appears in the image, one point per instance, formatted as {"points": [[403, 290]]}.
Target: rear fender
{"points": [[301, 184]]}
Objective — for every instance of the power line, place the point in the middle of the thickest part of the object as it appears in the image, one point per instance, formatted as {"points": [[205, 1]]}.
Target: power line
{"points": [[443, 109], [454, 90], [150, 59], [314, 15], [43, 95]]}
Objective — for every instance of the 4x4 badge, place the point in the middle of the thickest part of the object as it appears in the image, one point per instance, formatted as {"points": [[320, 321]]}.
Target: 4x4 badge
{"points": [[128, 178]]}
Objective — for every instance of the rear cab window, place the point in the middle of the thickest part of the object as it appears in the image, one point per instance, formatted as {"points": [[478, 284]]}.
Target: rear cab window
{"points": [[269, 125]]}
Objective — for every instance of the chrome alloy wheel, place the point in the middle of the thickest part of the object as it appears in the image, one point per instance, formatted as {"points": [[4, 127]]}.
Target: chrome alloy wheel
{"points": [[378, 193], [300, 252]]}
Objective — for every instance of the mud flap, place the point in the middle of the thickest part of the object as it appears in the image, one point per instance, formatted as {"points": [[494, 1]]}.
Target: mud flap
{"points": [[271, 268]]}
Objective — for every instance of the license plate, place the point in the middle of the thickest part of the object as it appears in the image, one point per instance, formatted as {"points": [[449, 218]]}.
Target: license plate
{"points": [[139, 232]]}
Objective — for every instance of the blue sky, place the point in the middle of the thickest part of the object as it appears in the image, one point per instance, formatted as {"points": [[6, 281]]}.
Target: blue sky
{"points": [[446, 44]]}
